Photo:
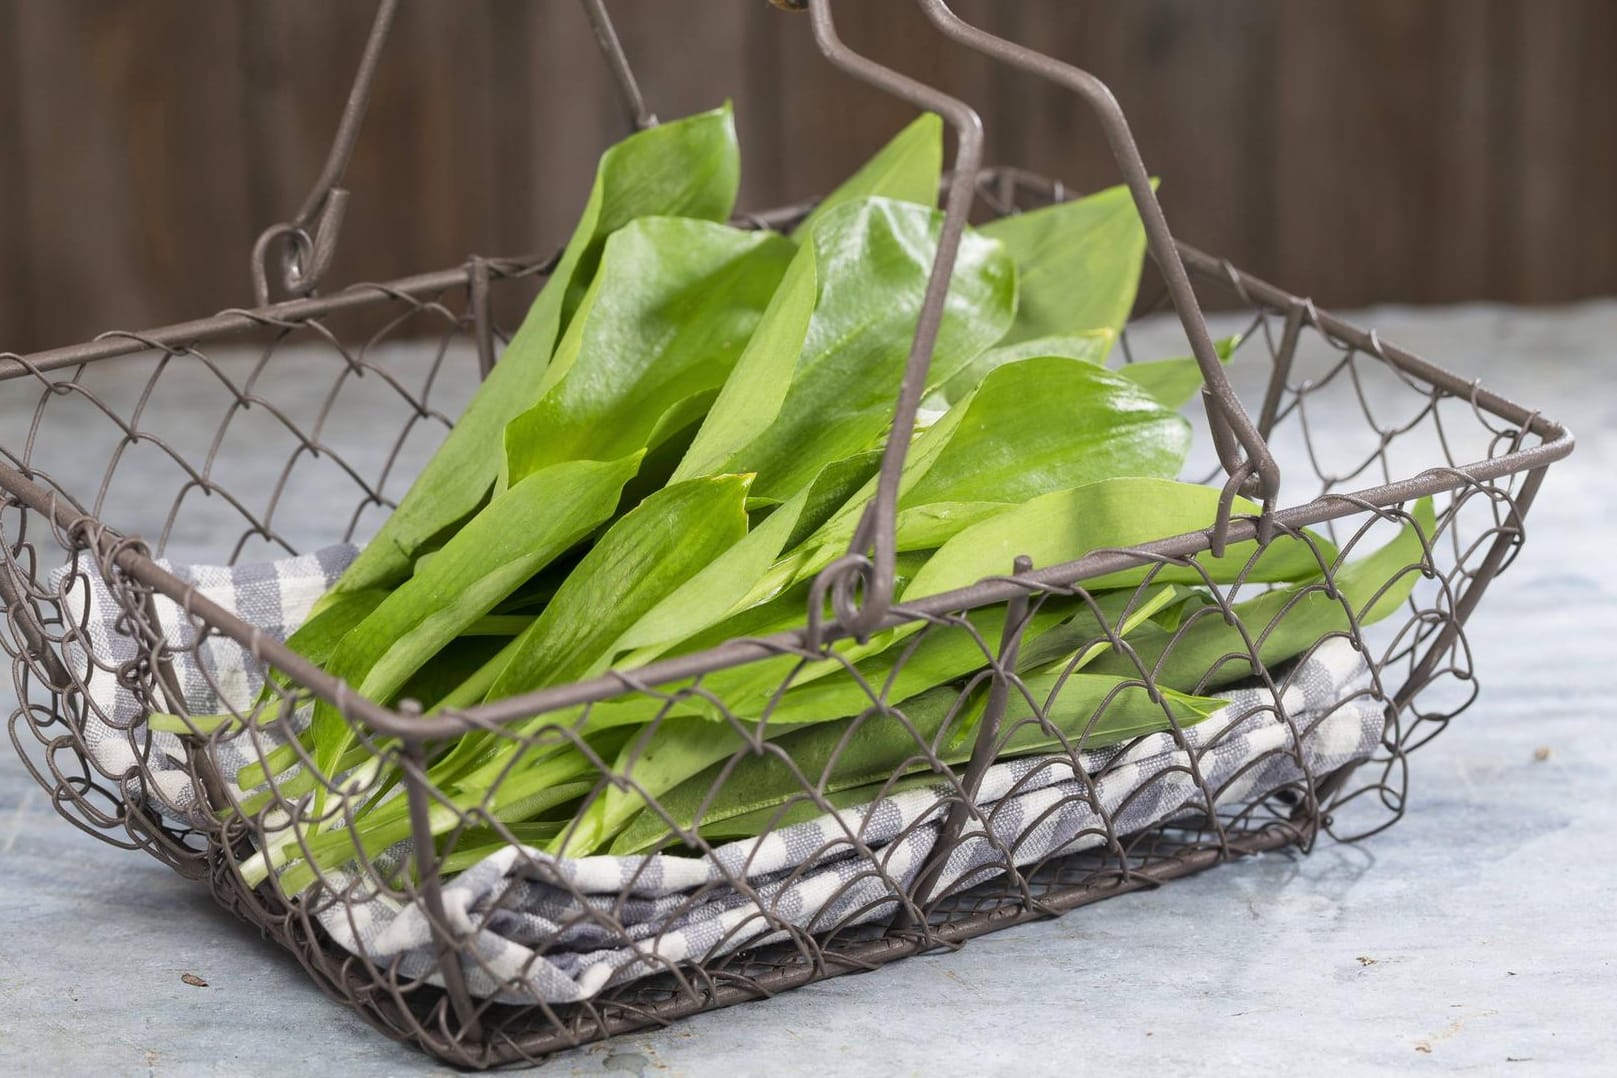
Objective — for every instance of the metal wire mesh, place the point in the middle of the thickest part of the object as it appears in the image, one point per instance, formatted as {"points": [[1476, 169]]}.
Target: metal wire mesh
{"points": [[302, 383]]}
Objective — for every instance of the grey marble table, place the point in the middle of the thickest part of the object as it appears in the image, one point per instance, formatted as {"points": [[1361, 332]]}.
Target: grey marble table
{"points": [[1478, 934]]}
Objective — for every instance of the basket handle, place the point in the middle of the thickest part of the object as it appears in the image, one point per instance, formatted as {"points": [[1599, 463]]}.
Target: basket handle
{"points": [[1241, 447], [877, 531], [304, 256]]}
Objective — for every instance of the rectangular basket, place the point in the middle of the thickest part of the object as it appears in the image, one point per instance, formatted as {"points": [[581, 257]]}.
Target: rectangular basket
{"points": [[1341, 407], [127, 461]]}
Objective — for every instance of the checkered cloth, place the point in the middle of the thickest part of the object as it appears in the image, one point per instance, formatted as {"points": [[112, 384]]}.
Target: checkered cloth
{"points": [[213, 674], [561, 930]]}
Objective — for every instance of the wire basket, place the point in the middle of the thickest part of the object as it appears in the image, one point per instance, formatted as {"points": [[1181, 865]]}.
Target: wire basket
{"points": [[273, 397]]}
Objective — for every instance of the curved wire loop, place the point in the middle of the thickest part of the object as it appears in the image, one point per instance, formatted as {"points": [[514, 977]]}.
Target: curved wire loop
{"points": [[1241, 447], [861, 610], [304, 255], [308, 241]]}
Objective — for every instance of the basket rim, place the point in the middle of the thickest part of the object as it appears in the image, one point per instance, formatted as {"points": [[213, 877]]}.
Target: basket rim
{"points": [[1556, 441]]}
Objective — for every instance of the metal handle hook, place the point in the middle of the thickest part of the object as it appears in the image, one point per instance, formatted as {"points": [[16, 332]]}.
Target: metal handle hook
{"points": [[305, 257], [308, 241], [877, 531], [1241, 448]]}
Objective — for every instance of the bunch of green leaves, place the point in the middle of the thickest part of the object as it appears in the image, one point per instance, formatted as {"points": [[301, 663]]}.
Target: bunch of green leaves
{"points": [[684, 433]]}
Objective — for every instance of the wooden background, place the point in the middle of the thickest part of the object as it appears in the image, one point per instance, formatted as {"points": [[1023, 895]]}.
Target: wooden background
{"points": [[1353, 150]]}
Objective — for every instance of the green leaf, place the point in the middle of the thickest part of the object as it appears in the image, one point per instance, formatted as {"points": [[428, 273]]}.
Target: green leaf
{"points": [[498, 549], [752, 682], [668, 314], [679, 746], [1206, 652], [647, 554], [906, 667], [1075, 643], [907, 168], [316, 639], [1174, 383], [820, 378], [520, 798], [457, 661], [712, 592], [1085, 711], [1047, 424], [475, 844], [1078, 263], [1081, 638], [898, 666], [774, 815], [787, 610], [475, 685], [838, 483], [685, 168], [927, 527], [1068, 524], [1032, 427], [1091, 347], [757, 385], [732, 580], [319, 636]]}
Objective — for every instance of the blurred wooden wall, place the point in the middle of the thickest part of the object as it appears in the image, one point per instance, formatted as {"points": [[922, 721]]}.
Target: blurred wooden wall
{"points": [[1354, 150]]}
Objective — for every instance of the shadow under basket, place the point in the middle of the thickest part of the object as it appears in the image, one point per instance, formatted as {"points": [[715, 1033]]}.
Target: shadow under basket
{"points": [[265, 413]]}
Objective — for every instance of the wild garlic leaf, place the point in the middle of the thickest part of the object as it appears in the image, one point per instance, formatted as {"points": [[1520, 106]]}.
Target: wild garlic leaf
{"points": [[647, 554], [1091, 347], [1094, 710], [837, 484], [1206, 652], [897, 665], [509, 540], [521, 797], [732, 580], [711, 592], [687, 168], [927, 527], [319, 636], [1065, 525], [752, 395], [748, 683], [789, 810], [907, 168], [1049, 423], [671, 308], [1032, 427], [459, 660], [682, 744], [1174, 383], [908, 666], [659, 759], [1078, 264], [819, 379]]}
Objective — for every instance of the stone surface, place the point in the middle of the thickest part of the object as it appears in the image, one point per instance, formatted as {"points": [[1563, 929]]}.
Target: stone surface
{"points": [[1477, 933]]}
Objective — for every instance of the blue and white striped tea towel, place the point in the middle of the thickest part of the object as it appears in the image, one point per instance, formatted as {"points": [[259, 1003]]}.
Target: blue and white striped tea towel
{"points": [[561, 930]]}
